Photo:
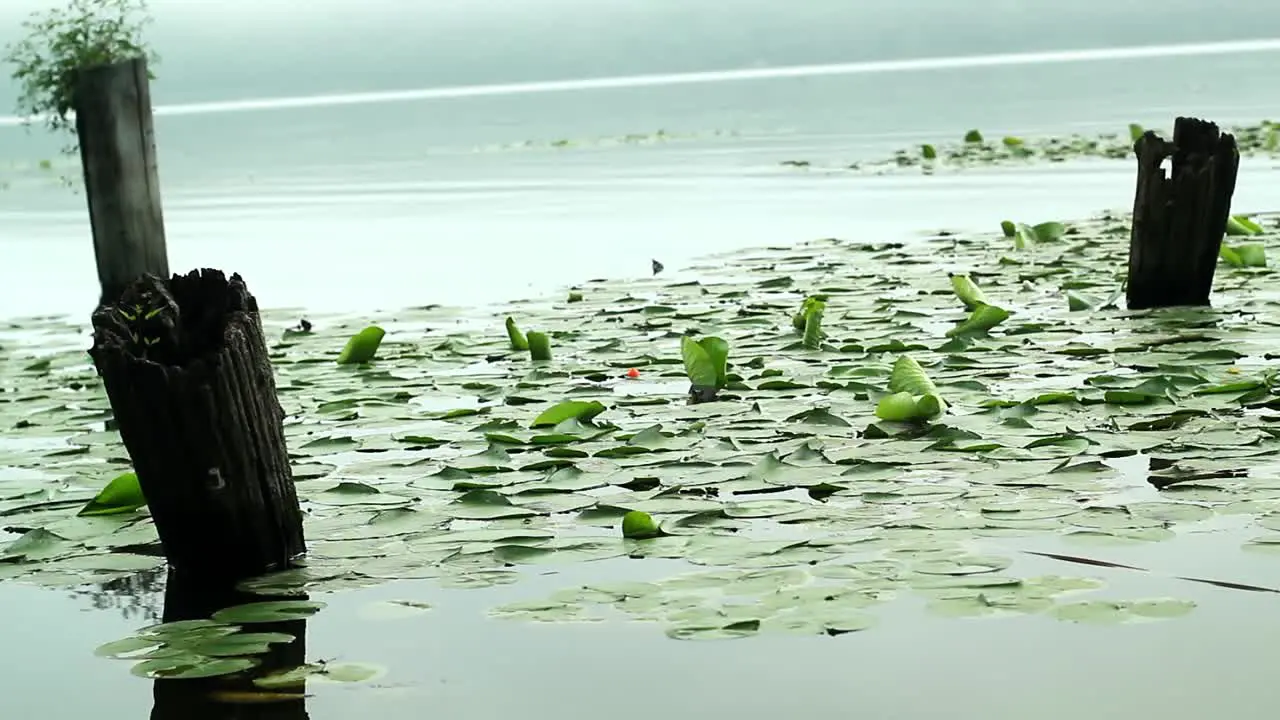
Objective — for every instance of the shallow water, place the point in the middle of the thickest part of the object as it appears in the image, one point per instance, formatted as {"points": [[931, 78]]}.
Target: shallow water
{"points": [[457, 662], [359, 206]]}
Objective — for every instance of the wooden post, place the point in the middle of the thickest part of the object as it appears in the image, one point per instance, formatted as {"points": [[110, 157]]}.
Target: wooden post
{"points": [[186, 370], [1179, 220], [121, 182], [213, 698]]}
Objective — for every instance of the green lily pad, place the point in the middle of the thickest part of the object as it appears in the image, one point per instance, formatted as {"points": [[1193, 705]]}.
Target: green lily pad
{"points": [[269, 611]]}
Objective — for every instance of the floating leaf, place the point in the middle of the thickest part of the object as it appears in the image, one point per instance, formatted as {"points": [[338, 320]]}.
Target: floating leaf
{"points": [[192, 667], [269, 612], [582, 411]]}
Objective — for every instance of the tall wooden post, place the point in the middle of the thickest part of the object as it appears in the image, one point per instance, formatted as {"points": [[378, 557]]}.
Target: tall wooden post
{"points": [[121, 181], [1179, 219], [185, 366]]}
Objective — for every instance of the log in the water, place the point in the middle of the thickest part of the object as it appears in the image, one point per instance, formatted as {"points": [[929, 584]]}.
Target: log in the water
{"points": [[1179, 219], [186, 369]]}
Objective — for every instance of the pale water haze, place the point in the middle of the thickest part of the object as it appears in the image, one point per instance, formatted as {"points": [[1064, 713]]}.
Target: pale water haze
{"points": [[363, 133]]}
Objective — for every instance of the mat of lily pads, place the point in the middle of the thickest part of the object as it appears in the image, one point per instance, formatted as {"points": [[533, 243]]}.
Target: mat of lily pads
{"points": [[974, 149], [793, 506]]}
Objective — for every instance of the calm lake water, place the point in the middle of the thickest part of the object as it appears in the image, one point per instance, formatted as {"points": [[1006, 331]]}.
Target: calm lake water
{"points": [[281, 160]]}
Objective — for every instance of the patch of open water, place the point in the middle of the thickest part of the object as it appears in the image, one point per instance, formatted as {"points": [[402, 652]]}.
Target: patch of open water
{"points": [[455, 661]]}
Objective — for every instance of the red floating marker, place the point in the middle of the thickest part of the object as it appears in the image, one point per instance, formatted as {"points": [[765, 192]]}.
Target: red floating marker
{"points": [[633, 373]]}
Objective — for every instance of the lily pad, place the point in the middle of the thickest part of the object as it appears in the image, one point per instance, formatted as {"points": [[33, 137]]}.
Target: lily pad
{"points": [[269, 611]]}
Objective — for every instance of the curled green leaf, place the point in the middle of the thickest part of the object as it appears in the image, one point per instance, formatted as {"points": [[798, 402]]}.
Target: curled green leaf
{"points": [[362, 346]]}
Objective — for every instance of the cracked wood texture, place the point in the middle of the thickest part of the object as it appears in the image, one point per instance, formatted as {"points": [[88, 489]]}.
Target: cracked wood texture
{"points": [[186, 369], [1179, 219]]}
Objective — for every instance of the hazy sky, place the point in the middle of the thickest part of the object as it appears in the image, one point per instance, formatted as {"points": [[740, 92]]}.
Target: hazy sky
{"points": [[230, 49]]}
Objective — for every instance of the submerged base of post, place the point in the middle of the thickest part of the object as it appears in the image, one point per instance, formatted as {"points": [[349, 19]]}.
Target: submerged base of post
{"points": [[186, 369], [1179, 220], [236, 695]]}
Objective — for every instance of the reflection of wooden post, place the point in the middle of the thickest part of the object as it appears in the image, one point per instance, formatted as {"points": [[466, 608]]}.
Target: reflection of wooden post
{"points": [[186, 370], [121, 182], [209, 699], [1179, 220]]}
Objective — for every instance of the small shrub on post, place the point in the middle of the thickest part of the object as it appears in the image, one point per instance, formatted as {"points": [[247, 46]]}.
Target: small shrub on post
{"points": [[60, 43]]}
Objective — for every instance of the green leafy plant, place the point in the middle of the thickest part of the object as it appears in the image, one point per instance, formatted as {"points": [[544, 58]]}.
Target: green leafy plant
{"points": [[813, 326], [1244, 255], [705, 363], [581, 410], [122, 495], [362, 346], [967, 291], [518, 341], [640, 525], [1241, 225], [809, 320], [539, 345], [912, 395], [982, 319], [60, 43], [798, 320], [1024, 234]]}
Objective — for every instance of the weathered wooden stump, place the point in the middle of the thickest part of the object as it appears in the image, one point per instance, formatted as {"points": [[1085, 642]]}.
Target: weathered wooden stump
{"points": [[216, 698], [185, 366], [121, 179], [1179, 219]]}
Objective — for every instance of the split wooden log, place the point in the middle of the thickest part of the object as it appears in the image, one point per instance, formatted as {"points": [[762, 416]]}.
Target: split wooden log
{"points": [[1179, 219], [186, 369]]}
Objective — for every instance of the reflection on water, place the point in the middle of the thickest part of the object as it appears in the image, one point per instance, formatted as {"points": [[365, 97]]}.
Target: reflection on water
{"points": [[137, 598]]}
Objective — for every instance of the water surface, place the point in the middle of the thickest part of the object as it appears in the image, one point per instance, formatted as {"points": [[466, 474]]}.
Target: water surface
{"points": [[360, 206]]}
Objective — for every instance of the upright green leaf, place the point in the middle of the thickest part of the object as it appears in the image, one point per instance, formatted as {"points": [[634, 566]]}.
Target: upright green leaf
{"points": [[913, 396], [1049, 231], [980, 321], [122, 495], [717, 351], [1244, 255], [539, 346], [705, 361], [813, 325], [1239, 225], [362, 346], [516, 338], [968, 292]]}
